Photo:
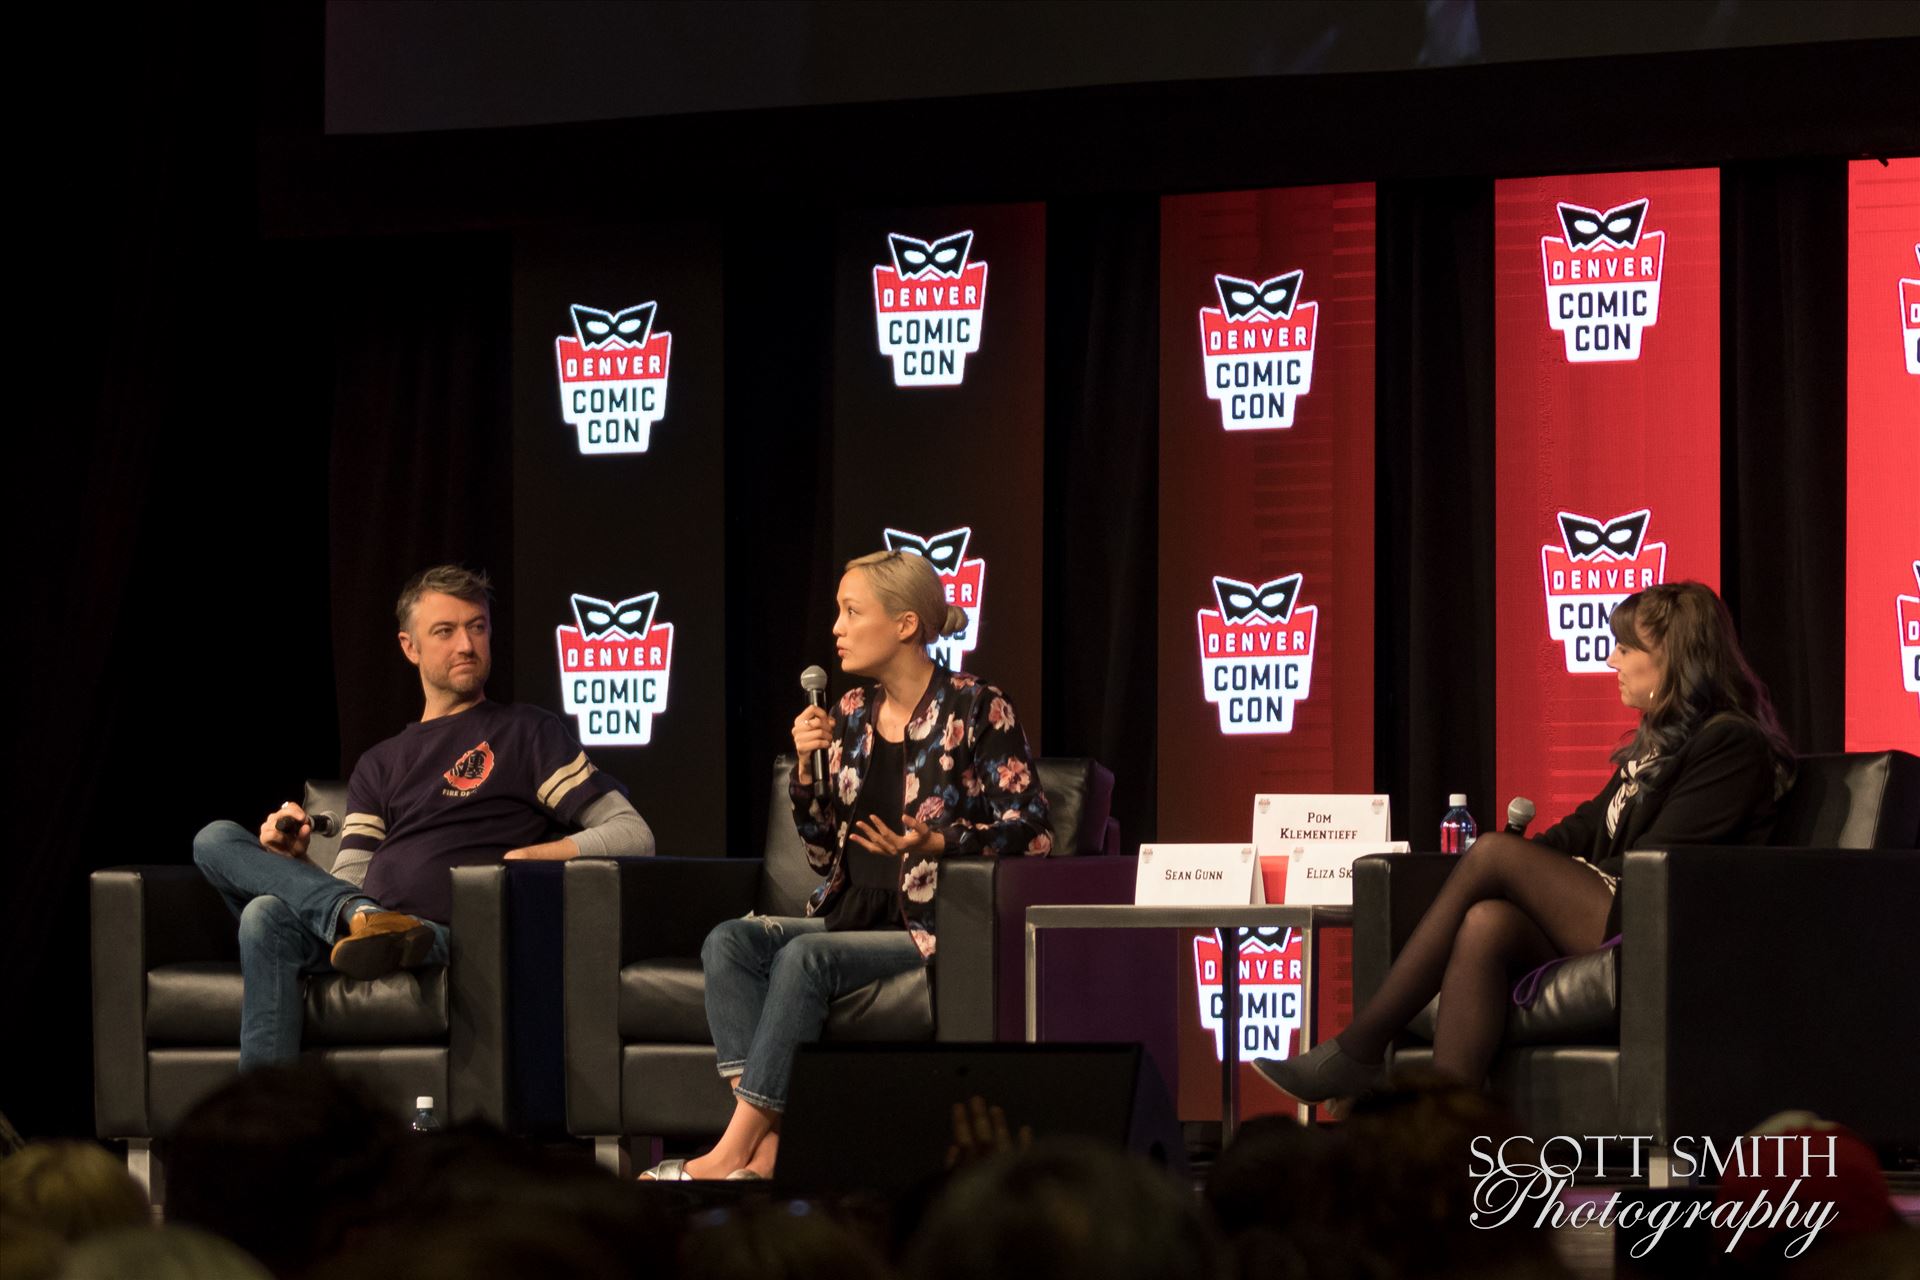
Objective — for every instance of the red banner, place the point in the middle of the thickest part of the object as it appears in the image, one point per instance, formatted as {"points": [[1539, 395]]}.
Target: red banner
{"points": [[1266, 501], [1883, 455], [1266, 561], [1607, 475]]}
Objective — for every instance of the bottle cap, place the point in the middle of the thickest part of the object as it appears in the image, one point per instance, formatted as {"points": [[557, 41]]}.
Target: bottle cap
{"points": [[423, 1104], [1458, 800]]}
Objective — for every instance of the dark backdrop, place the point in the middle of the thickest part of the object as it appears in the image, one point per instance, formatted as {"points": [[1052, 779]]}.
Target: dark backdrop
{"points": [[237, 439]]}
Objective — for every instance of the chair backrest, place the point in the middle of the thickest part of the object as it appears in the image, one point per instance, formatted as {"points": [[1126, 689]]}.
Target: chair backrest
{"points": [[788, 879], [1079, 800], [1859, 800], [1079, 794], [328, 795]]}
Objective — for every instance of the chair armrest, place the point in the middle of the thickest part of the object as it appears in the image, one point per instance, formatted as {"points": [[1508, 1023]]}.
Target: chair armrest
{"points": [[1391, 891], [979, 990], [142, 917], [1783, 961], [478, 995], [963, 985], [619, 911]]}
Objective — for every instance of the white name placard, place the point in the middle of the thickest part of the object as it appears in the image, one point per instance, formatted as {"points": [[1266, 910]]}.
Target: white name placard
{"points": [[1323, 876], [1197, 875], [1283, 824]]}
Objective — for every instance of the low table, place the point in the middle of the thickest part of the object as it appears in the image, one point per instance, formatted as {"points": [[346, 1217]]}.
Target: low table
{"points": [[1308, 919]]}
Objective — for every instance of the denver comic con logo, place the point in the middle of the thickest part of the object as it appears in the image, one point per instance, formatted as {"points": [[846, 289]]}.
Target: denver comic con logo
{"points": [[1603, 280], [1269, 991], [928, 307], [613, 377], [1595, 565], [1256, 653], [614, 665], [1909, 610], [1910, 318], [1257, 348], [964, 581]]}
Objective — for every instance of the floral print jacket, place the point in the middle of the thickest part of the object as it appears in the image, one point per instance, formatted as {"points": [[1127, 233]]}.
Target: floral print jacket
{"points": [[969, 776]]}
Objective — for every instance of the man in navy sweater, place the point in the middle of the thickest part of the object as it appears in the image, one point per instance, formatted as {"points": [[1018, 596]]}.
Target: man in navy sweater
{"points": [[471, 781]]}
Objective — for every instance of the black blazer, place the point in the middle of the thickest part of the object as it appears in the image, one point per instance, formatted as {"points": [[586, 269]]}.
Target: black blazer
{"points": [[1719, 788]]}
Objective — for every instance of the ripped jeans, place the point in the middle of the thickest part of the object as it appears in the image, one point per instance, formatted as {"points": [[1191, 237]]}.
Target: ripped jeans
{"points": [[770, 981]]}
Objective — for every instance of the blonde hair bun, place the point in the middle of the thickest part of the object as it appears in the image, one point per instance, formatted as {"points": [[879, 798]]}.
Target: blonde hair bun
{"points": [[908, 583]]}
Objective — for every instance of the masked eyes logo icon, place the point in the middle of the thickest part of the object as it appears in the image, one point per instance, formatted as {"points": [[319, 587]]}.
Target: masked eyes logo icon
{"points": [[615, 662], [596, 328], [963, 580], [629, 618], [613, 377], [1268, 602], [1256, 349], [928, 305], [1242, 299], [913, 259], [1618, 227], [1595, 565], [1584, 539], [944, 550], [1603, 280]]}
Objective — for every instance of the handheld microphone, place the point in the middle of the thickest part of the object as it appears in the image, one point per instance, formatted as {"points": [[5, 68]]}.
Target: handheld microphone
{"points": [[814, 681], [1519, 813], [324, 824]]}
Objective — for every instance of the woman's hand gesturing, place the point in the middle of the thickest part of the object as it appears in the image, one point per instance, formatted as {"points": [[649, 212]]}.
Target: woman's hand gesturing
{"points": [[812, 731], [875, 838]]}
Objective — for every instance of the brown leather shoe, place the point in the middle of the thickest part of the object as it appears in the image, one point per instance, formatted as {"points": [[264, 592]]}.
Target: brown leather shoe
{"points": [[378, 942]]}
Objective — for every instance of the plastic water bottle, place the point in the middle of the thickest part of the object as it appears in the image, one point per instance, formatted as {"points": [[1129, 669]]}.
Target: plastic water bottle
{"points": [[423, 1121], [1457, 832]]}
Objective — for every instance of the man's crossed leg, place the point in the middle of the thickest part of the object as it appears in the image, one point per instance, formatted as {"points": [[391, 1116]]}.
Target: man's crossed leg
{"points": [[296, 919]]}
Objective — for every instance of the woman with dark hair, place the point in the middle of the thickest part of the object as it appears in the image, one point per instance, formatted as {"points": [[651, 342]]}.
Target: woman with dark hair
{"points": [[922, 764], [1706, 766]]}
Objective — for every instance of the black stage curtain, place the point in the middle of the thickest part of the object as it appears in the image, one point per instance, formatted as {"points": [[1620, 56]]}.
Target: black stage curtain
{"points": [[1434, 705], [1098, 646], [168, 519], [418, 403], [781, 470], [1783, 418]]}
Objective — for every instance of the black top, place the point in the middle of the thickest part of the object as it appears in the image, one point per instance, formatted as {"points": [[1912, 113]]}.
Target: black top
{"points": [[883, 795], [1720, 787], [872, 898]]}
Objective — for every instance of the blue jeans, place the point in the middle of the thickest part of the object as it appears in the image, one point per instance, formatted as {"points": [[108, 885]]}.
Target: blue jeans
{"points": [[770, 980], [290, 915]]}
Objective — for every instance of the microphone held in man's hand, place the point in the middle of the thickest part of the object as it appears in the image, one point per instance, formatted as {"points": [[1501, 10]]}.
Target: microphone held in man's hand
{"points": [[1519, 813], [814, 681], [324, 824]]}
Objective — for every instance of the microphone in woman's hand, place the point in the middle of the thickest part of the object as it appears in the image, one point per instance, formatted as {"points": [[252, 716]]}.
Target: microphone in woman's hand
{"points": [[814, 681], [1519, 813]]}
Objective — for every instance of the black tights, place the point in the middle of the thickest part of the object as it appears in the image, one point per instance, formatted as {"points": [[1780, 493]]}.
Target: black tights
{"points": [[1508, 906]]}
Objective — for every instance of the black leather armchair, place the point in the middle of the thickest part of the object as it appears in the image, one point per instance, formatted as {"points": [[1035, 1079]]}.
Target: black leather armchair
{"points": [[640, 1060], [1748, 981], [166, 1003]]}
